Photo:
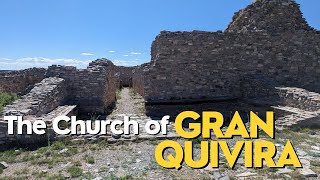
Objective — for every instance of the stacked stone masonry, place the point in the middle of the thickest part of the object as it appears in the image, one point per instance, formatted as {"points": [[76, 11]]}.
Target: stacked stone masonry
{"points": [[7, 140], [125, 75], [272, 16], [43, 98], [197, 66], [138, 78], [203, 65], [94, 88], [21, 81], [298, 107], [299, 98], [44, 102]]}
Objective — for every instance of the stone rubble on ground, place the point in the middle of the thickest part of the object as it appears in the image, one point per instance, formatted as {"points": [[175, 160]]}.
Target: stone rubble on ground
{"points": [[3, 165]]}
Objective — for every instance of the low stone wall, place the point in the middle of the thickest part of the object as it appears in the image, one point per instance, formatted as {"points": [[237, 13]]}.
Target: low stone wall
{"points": [[297, 108], [299, 98], [19, 81], [43, 98], [43, 102], [7, 141], [91, 90], [94, 88]]}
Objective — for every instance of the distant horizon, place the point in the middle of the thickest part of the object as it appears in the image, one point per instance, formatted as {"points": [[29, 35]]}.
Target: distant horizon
{"points": [[76, 32]]}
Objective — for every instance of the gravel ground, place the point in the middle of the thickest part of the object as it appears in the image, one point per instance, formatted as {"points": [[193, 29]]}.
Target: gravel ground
{"points": [[128, 102]]}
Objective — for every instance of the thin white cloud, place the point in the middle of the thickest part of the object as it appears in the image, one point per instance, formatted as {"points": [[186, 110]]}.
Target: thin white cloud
{"points": [[28, 62], [126, 55], [5, 59], [125, 63], [135, 53], [48, 60], [86, 54], [112, 51], [44, 62]]}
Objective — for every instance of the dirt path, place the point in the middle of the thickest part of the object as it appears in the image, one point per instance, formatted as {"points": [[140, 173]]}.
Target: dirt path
{"points": [[128, 103]]}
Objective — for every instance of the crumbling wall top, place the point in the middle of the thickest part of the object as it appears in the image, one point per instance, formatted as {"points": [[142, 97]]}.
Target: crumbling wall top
{"points": [[29, 71], [100, 62], [273, 16]]}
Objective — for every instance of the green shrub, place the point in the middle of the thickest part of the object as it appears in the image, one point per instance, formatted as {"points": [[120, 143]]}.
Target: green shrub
{"points": [[6, 98], [75, 171], [90, 160]]}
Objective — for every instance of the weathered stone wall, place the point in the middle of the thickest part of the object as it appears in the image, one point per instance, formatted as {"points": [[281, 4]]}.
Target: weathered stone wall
{"points": [[125, 75], [267, 44], [42, 99], [204, 65], [299, 98], [111, 82], [5, 139], [260, 86], [138, 78], [94, 88], [21, 81], [271, 16], [297, 108]]}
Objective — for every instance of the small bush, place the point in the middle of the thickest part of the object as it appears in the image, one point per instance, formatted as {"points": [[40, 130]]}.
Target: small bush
{"points": [[6, 98], [118, 94], [75, 171], [90, 160], [132, 92], [78, 163]]}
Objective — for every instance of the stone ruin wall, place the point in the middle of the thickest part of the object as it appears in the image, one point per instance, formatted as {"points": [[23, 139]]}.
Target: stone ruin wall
{"points": [[212, 66], [5, 139], [65, 91], [298, 108], [21, 81], [93, 89], [138, 78], [267, 44], [125, 75], [299, 98], [42, 99], [113, 84], [38, 104], [273, 16]]}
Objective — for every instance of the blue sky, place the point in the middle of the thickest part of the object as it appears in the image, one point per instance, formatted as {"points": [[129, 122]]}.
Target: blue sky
{"points": [[75, 32]]}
